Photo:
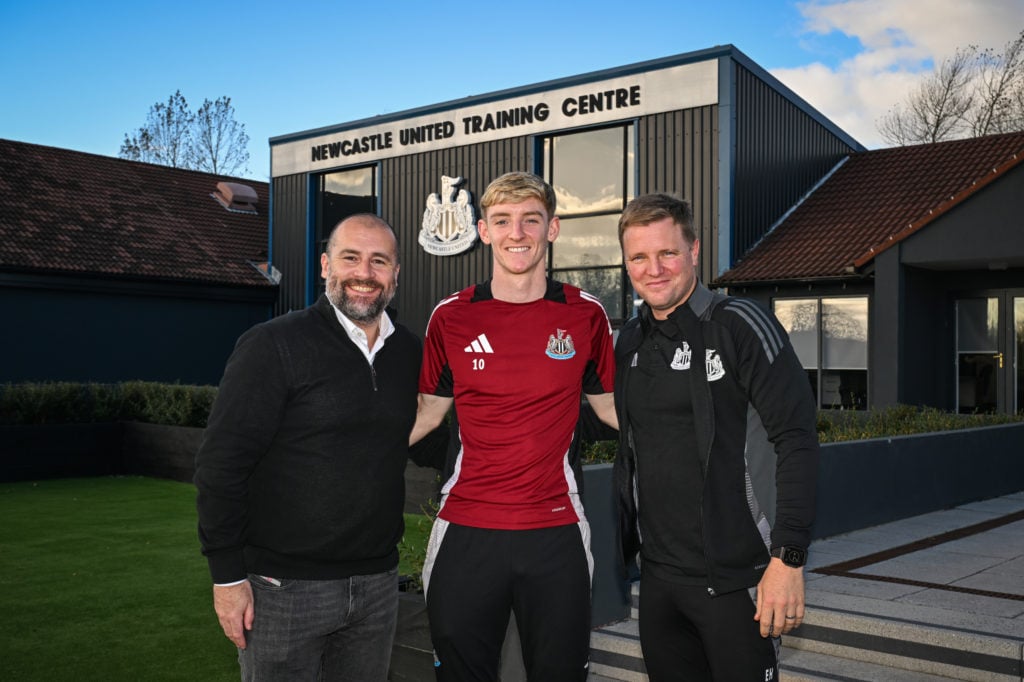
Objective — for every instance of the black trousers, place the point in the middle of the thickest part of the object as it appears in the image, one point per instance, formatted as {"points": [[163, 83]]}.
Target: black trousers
{"points": [[688, 635], [478, 576]]}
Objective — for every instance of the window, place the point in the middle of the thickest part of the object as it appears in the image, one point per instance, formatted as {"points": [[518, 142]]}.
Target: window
{"points": [[593, 176], [830, 336], [339, 195]]}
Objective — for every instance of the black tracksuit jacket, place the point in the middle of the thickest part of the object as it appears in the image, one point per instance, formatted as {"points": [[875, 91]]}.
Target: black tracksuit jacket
{"points": [[756, 430]]}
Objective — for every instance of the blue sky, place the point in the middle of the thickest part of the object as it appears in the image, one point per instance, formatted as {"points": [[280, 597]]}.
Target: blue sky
{"points": [[80, 75]]}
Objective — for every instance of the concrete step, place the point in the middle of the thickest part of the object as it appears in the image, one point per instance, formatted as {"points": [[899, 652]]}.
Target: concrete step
{"points": [[851, 638], [615, 656], [921, 639]]}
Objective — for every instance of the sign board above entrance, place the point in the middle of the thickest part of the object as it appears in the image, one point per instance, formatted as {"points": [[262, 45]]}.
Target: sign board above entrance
{"points": [[615, 99]]}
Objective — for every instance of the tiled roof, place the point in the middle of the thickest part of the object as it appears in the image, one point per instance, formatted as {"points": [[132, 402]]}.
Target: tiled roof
{"points": [[871, 202], [68, 212]]}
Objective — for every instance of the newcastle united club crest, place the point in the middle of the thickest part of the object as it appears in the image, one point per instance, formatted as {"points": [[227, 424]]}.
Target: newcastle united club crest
{"points": [[560, 347], [449, 226]]}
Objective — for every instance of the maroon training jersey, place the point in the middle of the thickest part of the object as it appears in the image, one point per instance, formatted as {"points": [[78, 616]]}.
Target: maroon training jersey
{"points": [[516, 371]]}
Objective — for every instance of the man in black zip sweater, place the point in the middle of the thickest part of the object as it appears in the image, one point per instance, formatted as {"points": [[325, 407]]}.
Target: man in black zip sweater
{"points": [[717, 461], [300, 474]]}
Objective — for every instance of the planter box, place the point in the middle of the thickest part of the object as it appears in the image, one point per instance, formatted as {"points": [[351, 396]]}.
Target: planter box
{"points": [[610, 592], [160, 451], [44, 451], [869, 482]]}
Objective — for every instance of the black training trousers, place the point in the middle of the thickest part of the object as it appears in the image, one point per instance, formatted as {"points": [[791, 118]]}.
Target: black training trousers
{"points": [[477, 576], [689, 636]]}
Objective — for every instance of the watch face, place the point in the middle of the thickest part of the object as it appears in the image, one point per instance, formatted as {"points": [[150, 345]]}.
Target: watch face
{"points": [[794, 556]]}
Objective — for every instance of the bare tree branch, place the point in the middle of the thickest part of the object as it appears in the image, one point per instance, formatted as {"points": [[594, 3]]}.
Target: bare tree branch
{"points": [[999, 85], [219, 141], [209, 140], [970, 94]]}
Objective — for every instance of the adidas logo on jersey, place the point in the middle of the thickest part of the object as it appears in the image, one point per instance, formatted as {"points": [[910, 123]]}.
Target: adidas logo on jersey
{"points": [[480, 345]]}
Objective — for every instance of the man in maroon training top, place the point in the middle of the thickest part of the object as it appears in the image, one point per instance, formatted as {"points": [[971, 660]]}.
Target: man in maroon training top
{"points": [[513, 354]]}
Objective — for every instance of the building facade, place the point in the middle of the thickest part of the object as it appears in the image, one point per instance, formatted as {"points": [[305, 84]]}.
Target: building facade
{"points": [[709, 126], [900, 277]]}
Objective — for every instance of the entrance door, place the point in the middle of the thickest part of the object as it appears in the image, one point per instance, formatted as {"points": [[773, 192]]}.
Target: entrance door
{"points": [[1018, 355], [980, 363]]}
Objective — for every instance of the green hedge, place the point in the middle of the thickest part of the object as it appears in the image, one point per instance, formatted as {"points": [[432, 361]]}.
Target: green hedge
{"points": [[899, 420], [836, 426], [178, 405], [143, 401]]}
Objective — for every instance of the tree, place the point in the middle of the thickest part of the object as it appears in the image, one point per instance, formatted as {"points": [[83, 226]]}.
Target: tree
{"points": [[218, 141], [165, 139], [973, 93], [209, 140]]}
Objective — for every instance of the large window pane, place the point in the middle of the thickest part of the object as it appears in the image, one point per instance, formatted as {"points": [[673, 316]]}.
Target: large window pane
{"points": [[844, 336], [587, 241], [587, 171], [799, 317], [836, 330], [977, 325], [592, 173], [342, 194], [604, 284]]}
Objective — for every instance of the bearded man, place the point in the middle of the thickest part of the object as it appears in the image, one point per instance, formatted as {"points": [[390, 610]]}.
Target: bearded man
{"points": [[300, 474]]}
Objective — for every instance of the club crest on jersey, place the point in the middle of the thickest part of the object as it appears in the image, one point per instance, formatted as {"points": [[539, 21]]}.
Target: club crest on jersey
{"points": [[713, 364], [681, 360], [560, 347]]}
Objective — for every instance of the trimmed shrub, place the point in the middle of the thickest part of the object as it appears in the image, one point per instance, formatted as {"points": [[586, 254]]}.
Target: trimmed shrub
{"points": [[77, 403], [837, 426]]}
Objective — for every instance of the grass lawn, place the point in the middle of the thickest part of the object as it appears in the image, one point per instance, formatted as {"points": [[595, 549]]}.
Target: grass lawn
{"points": [[102, 579]]}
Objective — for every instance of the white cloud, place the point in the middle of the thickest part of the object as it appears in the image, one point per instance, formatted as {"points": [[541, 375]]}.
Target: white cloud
{"points": [[901, 41]]}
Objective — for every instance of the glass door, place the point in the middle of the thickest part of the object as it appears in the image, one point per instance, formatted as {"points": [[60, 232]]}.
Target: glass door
{"points": [[1018, 355], [979, 361]]}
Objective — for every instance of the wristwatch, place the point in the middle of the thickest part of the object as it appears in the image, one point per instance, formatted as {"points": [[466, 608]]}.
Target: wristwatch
{"points": [[791, 556]]}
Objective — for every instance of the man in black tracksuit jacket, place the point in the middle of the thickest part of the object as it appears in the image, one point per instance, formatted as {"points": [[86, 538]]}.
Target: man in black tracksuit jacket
{"points": [[717, 461]]}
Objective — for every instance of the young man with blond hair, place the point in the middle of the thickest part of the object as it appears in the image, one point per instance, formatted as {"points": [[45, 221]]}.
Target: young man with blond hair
{"points": [[513, 354]]}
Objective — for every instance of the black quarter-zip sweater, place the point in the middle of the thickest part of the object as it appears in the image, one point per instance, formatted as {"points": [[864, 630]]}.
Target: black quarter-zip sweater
{"points": [[301, 470]]}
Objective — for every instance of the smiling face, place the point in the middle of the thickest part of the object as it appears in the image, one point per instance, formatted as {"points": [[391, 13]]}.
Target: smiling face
{"points": [[519, 234], [361, 268], [661, 263]]}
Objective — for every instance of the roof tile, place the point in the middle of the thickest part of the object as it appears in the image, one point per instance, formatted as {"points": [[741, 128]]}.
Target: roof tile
{"points": [[63, 211], [871, 201]]}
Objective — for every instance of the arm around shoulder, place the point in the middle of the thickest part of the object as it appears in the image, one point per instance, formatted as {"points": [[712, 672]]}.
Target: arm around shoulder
{"points": [[430, 411], [604, 407]]}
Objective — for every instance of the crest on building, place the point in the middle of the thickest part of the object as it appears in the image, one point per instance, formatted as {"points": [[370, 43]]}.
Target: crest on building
{"points": [[560, 347], [449, 226]]}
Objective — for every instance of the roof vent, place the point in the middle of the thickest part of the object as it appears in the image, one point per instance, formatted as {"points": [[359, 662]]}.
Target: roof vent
{"points": [[236, 197]]}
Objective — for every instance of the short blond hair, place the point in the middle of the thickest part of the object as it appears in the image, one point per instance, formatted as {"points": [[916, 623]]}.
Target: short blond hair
{"points": [[516, 187]]}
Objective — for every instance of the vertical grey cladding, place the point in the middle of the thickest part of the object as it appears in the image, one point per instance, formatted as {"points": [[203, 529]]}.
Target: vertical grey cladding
{"points": [[678, 155], [781, 152], [406, 182], [288, 240]]}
